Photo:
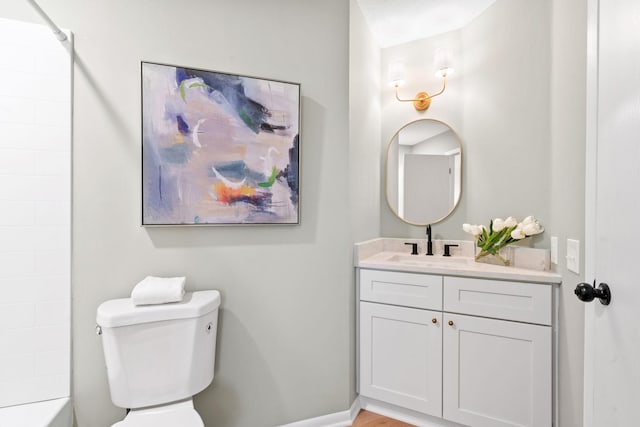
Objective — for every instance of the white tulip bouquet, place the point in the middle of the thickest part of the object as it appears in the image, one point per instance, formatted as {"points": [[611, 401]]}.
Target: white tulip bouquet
{"points": [[502, 232]]}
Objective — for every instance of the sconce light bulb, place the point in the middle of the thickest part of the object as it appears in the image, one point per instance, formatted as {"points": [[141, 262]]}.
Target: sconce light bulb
{"points": [[396, 73], [442, 60], [444, 72]]}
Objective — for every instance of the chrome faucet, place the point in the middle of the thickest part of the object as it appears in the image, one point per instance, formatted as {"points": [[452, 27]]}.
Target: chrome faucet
{"points": [[429, 243]]}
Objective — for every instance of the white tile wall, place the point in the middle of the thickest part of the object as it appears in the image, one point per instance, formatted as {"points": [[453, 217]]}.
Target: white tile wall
{"points": [[35, 214]]}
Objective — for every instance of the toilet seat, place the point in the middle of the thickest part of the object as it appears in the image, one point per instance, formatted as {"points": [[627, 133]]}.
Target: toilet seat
{"points": [[180, 414]]}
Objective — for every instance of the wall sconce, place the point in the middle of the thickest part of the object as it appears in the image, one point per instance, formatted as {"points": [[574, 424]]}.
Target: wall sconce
{"points": [[422, 100]]}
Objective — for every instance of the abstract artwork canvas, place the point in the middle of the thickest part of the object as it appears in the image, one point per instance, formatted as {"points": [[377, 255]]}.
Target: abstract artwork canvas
{"points": [[218, 148]]}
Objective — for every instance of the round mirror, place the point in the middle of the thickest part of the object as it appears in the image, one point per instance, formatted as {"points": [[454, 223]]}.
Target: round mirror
{"points": [[424, 172]]}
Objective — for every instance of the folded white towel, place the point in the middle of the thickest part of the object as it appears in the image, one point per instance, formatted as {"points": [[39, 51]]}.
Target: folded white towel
{"points": [[158, 290]]}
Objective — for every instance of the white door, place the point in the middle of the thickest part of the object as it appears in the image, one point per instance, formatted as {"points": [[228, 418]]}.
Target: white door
{"points": [[496, 373], [612, 335], [401, 356]]}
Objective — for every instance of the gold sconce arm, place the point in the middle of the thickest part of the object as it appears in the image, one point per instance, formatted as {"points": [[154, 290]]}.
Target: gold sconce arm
{"points": [[422, 101]]}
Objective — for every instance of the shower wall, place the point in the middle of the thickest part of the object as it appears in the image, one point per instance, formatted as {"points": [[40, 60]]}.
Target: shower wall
{"points": [[35, 213]]}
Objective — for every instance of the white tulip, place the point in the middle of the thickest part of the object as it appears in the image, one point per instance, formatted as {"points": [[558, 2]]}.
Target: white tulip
{"points": [[476, 230], [532, 228], [529, 220], [498, 224], [472, 229], [510, 222], [518, 234]]}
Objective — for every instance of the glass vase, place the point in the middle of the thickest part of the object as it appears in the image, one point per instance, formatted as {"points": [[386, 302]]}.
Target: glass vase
{"points": [[503, 257]]}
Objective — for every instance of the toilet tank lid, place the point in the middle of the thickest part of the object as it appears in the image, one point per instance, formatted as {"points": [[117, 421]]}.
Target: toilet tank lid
{"points": [[121, 312]]}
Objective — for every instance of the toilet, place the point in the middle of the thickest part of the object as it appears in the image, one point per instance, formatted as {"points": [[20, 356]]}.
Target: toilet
{"points": [[159, 356]]}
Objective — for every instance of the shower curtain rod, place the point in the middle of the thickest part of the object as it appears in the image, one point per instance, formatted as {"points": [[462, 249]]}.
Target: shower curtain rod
{"points": [[56, 30]]}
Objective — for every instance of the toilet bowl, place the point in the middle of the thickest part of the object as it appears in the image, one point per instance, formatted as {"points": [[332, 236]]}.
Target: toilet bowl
{"points": [[159, 356]]}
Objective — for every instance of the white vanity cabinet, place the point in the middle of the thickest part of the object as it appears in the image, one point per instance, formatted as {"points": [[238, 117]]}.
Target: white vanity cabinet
{"points": [[473, 351]]}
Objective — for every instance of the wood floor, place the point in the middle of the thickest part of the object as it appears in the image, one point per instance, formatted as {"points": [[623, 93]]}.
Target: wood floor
{"points": [[369, 419]]}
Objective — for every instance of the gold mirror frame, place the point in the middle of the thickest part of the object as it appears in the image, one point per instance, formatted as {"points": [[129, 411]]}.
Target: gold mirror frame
{"points": [[456, 201]]}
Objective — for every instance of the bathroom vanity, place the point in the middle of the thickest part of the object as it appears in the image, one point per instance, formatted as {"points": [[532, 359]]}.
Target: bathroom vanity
{"points": [[449, 340]]}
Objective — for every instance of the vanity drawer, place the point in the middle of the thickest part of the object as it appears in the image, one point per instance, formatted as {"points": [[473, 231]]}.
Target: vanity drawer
{"points": [[405, 289], [525, 302]]}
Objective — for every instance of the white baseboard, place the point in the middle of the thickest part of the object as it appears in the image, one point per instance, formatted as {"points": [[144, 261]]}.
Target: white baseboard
{"points": [[403, 414], [356, 407], [338, 419], [346, 418]]}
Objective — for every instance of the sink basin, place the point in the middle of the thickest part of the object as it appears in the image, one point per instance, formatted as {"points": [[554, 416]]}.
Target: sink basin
{"points": [[430, 261]]}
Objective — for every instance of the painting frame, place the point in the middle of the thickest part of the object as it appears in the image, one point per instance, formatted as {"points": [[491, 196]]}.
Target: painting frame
{"points": [[218, 148]]}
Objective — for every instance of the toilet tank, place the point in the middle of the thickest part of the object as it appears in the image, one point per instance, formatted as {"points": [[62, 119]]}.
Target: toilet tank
{"points": [[157, 354]]}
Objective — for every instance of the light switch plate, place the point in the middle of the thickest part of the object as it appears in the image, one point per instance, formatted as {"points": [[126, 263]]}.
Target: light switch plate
{"points": [[573, 255], [554, 249]]}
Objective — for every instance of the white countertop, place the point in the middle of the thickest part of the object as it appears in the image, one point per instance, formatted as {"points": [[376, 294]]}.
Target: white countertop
{"points": [[375, 254]]}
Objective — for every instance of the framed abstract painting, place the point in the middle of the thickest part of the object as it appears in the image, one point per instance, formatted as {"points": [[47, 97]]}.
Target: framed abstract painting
{"points": [[218, 148]]}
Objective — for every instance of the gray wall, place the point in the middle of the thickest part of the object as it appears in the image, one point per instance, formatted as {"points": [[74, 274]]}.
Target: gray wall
{"points": [[285, 340], [567, 190], [506, 115], [364, 145], [364, 127]]}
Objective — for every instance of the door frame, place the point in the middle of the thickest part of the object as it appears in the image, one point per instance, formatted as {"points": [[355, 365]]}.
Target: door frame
{"points": [[591, 201]]}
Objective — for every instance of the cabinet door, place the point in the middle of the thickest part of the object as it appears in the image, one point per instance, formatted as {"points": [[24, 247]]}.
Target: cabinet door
{"points": [[496, 373], [401, 356]]}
